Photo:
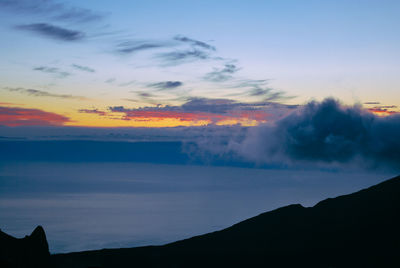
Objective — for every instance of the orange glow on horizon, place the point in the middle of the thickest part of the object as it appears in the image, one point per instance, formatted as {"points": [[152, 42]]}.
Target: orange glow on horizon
{"points": [[382, 112], [143, 118]]}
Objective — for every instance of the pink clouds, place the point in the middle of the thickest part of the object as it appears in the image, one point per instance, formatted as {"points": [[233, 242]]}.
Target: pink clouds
{"points": [[16, 116]]}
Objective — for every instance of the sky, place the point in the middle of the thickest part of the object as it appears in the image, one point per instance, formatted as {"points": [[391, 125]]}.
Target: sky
{"points": [[184, 117], [193, 63]]}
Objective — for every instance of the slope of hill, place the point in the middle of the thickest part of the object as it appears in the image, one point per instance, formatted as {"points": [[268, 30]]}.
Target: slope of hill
{"points": [[356, 230]]}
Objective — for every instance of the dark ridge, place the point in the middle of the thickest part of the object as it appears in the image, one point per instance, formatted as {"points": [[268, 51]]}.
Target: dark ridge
{"points": [[355, 230], [31, 251]]}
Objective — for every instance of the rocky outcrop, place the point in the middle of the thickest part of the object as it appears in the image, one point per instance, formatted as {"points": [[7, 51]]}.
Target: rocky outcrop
{"points": [[31, 251]]}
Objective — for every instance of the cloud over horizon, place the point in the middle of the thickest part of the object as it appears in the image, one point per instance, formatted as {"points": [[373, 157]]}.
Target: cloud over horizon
{"points": [[319, 132], [208, 111]]}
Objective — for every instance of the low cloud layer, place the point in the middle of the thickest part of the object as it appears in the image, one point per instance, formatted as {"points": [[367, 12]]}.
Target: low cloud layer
{"points": [[319, 132], [210, 111]]}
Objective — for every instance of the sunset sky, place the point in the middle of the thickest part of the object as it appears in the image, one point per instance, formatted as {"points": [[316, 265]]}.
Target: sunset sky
{"points": [[190, 63], [129, 123]]}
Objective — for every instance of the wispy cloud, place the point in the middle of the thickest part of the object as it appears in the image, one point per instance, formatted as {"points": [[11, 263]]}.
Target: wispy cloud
{"points": [[165, 85], [183, 56], [129, 47], [83, 68], [110, 80], [197, 49], [52, 31], [125, 84], [51, 9], [145, 94], [222, 74], [144, 97], [16, 116], [41, 93], [194, 43], [52, 70], [259, 88]]}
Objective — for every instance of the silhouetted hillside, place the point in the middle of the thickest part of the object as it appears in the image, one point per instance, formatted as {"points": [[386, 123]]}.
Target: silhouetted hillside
{"points": [[31, 251], [357, 230]]}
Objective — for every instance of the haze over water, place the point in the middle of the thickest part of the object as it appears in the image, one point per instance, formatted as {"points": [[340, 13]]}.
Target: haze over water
{"points": [[85, 206]]}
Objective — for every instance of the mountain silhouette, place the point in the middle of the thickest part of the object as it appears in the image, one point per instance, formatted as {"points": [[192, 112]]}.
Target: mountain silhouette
{"points": [[356, 230], [31, 251]]}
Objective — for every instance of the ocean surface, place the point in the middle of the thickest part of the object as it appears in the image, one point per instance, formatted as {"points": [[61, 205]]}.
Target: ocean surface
{"points": [[84, 206]]}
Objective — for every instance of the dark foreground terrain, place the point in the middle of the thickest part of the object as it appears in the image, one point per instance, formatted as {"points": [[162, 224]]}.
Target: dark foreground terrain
{"points": [[357, 230]]}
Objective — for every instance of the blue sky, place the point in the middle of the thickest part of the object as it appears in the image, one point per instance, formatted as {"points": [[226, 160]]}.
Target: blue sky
{"points": [[92, 55]]}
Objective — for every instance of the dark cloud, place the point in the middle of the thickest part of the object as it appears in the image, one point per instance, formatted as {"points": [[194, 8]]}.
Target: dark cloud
{"points": [[324, 132], [372, 102], [118, 109], [195, 43], [51, 9], [211, 111], [93, 111], [166, 85], [206, 105], [52, 70], [16, 116], [178, 57], [386, 106], [83, 68], [52, 31], [41, 93], [221, 75], [129, 47], [145, 94], [216, 106]]}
